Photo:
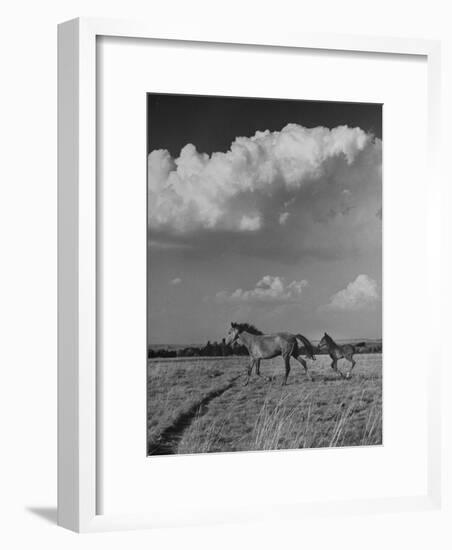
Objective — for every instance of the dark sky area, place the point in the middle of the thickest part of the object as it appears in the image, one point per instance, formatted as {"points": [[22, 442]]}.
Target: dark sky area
{"points": [[175, 120]]}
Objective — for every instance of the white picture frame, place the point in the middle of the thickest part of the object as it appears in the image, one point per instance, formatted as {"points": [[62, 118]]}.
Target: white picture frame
{"points": [[78, 468]]}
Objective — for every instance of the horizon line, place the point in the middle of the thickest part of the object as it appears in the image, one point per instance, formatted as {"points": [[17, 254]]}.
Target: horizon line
{"points": [[219, 341]]}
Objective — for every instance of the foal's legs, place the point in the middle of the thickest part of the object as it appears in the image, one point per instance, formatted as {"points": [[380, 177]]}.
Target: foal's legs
{"points": [[334, 364], [334, 367]]}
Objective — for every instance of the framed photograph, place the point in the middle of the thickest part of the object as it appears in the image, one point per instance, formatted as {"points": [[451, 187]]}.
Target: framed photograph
{"points": [[277, 221], [242, 230]]}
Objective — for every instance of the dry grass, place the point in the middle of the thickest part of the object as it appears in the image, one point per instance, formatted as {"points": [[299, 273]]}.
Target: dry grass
{"points": [[327, 412]]}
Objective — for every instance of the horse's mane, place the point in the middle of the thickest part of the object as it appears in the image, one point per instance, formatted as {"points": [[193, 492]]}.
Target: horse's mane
{"points": [[242, 327]]}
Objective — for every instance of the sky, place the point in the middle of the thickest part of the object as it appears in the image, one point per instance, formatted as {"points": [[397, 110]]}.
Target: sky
{"points": [[263, 210]]}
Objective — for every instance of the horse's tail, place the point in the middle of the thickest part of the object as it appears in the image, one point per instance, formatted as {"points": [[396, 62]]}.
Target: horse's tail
{"points": [[310, 352]]}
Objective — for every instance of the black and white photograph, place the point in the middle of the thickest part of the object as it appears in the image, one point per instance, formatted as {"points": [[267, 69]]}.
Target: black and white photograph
{"points": [[264, 274]]}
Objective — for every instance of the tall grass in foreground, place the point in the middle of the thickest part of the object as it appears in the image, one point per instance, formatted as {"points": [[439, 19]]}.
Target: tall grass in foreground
{"points": [[283, 426], [201, 439], [374, 427], [279, 424]]}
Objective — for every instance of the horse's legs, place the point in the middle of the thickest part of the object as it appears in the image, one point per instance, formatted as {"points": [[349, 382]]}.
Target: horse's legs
{"points": [[258, 370], [250, 370], [304, 365], [258, 367], [353, 362], [287, 365]]}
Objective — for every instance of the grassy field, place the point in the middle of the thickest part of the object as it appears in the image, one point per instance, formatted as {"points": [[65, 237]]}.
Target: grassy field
{"points": [[200, 405]]}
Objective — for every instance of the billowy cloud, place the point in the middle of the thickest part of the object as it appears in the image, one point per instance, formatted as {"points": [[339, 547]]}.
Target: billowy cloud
{"points": [[283, 217], [268, 289], [250, 223], [232, 191], [360, 294]]}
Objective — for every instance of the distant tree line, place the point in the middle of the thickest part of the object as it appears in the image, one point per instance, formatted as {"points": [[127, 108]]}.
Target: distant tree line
{"points": [[211, 349], [371, 347], [222, 349]]}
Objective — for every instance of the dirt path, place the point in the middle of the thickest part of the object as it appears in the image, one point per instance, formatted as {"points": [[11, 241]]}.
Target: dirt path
{"points": [[168, 439]]}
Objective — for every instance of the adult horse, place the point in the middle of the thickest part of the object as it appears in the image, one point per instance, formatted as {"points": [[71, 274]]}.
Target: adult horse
{"points": [[336, 352], [266, 346]]}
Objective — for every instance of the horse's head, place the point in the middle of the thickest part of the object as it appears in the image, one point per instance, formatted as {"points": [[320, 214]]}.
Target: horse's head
{"points": [[233, 334]]}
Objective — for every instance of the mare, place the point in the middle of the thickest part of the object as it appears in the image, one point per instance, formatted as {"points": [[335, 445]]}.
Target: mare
{"points": [[266, 346]]}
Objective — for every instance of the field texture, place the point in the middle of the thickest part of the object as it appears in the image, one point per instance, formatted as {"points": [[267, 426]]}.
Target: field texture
{"points": [[201, 405]]}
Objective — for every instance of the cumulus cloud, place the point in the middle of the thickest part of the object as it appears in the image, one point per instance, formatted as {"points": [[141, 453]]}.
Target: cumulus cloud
{"points": [[283, 217], [176, 281], [362, 293], [268, 289], [232, 191], [250, 223]]}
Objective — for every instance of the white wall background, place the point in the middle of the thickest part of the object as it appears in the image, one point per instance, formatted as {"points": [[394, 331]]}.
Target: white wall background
{"points": [[28, 266]]}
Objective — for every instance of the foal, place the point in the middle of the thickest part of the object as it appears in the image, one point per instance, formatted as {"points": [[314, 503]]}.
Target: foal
{"points": [[337, 352]]}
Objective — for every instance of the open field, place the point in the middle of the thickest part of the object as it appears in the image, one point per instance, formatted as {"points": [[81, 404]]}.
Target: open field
{"points": [[201, 405]]}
